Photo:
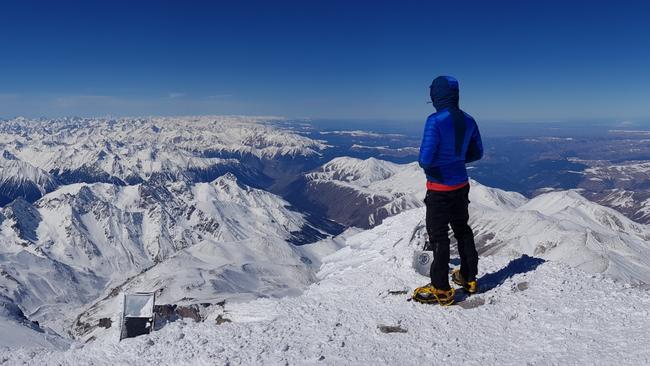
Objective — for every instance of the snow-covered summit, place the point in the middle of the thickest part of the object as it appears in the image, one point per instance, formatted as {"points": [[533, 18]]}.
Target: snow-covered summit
{"points": [[376, 176], [21, 179], [12, 169], [362, 193], [357, 171]]}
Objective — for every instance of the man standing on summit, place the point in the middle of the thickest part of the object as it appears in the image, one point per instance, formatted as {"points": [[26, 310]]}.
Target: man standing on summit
{"points": [[451, 140]]}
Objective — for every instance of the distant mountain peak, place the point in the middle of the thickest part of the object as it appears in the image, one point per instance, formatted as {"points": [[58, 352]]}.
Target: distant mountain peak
{"points": [[131, 150], [228, 176], [349, 169]]}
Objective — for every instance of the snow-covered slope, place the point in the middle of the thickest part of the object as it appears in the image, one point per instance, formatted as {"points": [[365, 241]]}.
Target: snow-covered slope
{"points": [[568, 228], [357, 171], [362, 193], [133, 150], [17, 331], [84, 242], [561, 226], [529, 312], [21, 179]]}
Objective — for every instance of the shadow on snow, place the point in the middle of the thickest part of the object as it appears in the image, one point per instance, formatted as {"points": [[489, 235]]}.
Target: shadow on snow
{"points": [[517, 266], [492, 280]]}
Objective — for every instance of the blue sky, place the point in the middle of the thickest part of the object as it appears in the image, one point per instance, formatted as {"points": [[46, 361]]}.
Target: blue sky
{"points": [[549, 61]]}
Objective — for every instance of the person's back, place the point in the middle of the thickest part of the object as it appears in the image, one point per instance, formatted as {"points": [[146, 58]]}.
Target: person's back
{"points": [[451, 139]]}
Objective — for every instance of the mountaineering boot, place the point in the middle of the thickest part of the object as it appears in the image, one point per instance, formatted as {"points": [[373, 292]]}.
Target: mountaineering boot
{"points": [[429, 294], [469, 286]]}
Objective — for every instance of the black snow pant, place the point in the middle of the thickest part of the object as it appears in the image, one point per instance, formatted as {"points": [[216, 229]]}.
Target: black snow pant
{"points": [[444, 209]]}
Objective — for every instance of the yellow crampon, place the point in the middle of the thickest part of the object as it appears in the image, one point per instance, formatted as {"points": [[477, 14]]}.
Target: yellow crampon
{"points": [[470, 286], [429, 294]]}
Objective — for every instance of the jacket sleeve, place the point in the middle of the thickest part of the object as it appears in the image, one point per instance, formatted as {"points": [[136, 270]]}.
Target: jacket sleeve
{"points": [[429, 146], [475, 147]]}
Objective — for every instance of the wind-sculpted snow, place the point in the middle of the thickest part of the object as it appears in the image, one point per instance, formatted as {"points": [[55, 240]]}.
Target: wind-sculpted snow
{"points": [[528, 312], [132, 150], [84, 242]]}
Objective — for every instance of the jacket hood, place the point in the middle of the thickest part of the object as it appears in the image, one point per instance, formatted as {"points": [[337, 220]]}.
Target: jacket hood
{"points": [[444, 92]]}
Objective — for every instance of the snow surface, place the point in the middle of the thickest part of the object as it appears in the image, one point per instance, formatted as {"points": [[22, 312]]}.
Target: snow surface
{"points": [[529, 312], [14, 335]]}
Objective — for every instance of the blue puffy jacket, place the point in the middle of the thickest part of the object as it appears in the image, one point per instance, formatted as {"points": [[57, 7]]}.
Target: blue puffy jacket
{"points": [[451, 137]]}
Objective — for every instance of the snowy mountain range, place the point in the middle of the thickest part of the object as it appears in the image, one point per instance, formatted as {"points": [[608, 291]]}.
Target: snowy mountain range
{"points": [[83, 241], [561, 226], [39, 155], [95, 208]]}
